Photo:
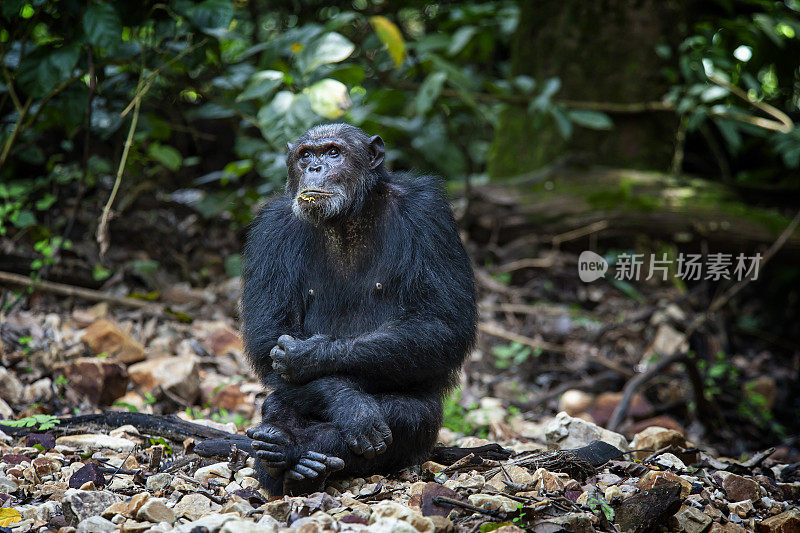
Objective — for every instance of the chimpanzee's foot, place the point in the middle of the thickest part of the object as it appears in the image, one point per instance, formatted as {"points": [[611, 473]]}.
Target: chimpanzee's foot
{"points": [[310, 473], [272, 447]]}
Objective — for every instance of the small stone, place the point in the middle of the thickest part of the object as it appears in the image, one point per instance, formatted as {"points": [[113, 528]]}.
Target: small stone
{"points": [[127, 508], [104, 336], [573, 522], [390, 509], [655, 477], [613, 492], [391, 525], [158, 482], [45, 466], [518, 475], [218, 472], [211, 523], [547, 481], [11, 388], [575, 401], [268, 524], [96, 524], [786, 522], [132, 526], [739, 488], [728, 527], [89, 473], [742, 508], [79, 505], [96, 442], [224, 340], [101, 381], [154, 510], [177, 375], [493, 501], [194, 506], [670, 461], [432, 468], [692, 520], [655, 438], [566, 432], [278, 509], [242, 526], [45, 440]]}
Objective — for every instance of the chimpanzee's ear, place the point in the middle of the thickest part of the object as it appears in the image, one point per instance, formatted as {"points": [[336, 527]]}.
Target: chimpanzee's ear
{"points": [[377, 150], [289, 147]]}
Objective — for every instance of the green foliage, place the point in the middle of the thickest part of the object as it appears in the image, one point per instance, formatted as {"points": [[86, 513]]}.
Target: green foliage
{"points": [[598, 504], [513, 354], [454, 415], [41, 422], [226, 84]]}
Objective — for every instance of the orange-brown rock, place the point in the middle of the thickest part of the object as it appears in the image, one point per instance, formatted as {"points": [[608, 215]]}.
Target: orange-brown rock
{"points": [[104, 336]]}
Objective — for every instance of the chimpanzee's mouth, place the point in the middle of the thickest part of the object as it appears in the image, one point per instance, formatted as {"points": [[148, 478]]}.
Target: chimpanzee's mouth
{"points": [[312, 195]]}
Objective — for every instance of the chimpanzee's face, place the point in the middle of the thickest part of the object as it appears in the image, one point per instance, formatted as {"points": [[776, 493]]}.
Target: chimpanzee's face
{"points": [[322, 167], [331, 170]]}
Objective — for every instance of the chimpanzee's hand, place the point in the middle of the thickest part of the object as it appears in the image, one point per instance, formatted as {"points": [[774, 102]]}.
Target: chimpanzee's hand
{"points": [[294, 359]]}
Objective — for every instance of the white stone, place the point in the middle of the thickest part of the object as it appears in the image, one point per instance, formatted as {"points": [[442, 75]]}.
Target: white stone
{"points": [[566, 432]]}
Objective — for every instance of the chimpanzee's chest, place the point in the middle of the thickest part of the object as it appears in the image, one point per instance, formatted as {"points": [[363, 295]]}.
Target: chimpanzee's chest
{"points": [[346, 306]]}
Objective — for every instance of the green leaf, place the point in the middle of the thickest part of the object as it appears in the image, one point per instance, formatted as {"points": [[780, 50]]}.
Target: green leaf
{"points": [[429, 91], [212, 14], [461, 38], [23, 219], [43, 69], [330, 48], [103, 26], [562, 122], [261, 86], [591, 119], [328, 98], [390, 35], [166, 155], [45, 202]]}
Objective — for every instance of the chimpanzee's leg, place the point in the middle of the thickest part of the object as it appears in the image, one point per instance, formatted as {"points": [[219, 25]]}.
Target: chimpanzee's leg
{"points": [[310, 452]]}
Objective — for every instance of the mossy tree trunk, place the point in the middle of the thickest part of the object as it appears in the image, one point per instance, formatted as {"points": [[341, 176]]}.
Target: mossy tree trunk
{"points": [[602, 51]]}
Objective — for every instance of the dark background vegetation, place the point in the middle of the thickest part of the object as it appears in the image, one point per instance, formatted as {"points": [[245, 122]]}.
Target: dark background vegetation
{"points": [[670, 123]]}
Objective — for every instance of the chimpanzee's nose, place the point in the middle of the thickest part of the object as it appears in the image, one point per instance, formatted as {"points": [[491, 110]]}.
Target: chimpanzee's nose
{"points": [[315, 168]]}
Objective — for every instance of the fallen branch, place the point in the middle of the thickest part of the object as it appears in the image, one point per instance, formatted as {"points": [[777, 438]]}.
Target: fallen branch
{"points": [[79, 292], [495, 330]]}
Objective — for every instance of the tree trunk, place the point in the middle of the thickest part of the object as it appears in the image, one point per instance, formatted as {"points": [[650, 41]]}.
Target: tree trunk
{"points": [[602, 52]]}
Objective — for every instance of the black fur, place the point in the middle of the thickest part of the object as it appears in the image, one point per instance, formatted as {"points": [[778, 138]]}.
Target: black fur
{"points": [[360, 356]]}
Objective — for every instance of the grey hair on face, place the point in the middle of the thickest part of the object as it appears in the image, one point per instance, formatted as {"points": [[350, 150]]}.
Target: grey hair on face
{"points": [[331, 207]]}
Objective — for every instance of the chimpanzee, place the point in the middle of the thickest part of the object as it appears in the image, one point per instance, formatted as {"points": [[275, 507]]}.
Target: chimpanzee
{"points": [[358, 311]]}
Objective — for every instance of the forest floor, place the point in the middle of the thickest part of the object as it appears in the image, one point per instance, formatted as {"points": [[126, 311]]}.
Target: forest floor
{"points": [[698, 408]]}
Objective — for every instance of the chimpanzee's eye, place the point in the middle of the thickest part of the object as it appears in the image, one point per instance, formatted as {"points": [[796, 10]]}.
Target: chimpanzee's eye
{"points": [[305, 154], [334, 152]]}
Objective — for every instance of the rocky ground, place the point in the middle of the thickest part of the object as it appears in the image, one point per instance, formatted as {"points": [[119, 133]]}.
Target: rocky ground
{"points": [[69, 479]]}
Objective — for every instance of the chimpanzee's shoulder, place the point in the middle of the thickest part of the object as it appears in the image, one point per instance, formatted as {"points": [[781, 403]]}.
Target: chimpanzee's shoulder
{"points": [[420, 191]]}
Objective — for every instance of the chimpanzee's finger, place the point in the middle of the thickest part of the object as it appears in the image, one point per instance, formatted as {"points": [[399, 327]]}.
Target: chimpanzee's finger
{"points": [[385, 432], [283, 340], [366, 446], [352, 443], [334, 463], [292, 474], [305, 471], [313, 465], [266, 434]]}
